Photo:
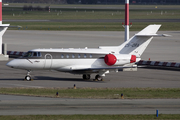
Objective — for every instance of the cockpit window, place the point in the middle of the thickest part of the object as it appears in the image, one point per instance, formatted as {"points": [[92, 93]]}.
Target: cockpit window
{"points": [[32, 54], [39, 54], [28, 54]]}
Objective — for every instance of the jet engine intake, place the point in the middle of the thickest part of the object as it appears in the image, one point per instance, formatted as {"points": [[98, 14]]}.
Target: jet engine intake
{"points": [[110, 59], [119, 59]]}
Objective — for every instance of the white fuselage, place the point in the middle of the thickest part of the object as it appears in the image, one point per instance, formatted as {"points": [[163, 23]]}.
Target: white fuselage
{"points": [[87, 61], [65, 60]]}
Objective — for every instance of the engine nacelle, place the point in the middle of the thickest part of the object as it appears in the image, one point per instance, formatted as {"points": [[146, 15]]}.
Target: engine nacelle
{"points": [[119, 59]]}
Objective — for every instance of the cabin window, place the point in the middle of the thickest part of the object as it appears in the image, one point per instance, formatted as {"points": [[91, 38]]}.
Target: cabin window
{"points": [[85, 56], [79, 56], [90, 55], [67, 56], [73, 56], [62, 56]]}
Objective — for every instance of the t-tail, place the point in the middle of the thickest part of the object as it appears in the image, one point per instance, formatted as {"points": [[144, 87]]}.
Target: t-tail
{"points": [[139, 42]]}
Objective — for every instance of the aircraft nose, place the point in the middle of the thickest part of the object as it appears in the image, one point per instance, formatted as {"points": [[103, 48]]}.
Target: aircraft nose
{"points": [[12, 64]]}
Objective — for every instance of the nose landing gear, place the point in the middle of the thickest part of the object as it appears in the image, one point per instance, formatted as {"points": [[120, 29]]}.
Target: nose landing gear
{"points": [[28, 76]]}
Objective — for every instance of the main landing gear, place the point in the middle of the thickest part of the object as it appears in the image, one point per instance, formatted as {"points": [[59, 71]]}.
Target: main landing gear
{"points": [[28, 76], [87, 77], [99, 78]]}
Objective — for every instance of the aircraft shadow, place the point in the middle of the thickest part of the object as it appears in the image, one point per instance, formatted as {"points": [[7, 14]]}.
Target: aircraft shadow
{"points": [[19, 79], [61, 79], [51, 78]]}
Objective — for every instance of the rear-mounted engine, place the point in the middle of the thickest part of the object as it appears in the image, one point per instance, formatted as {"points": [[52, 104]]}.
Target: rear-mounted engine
{"points": [[119, 59]]}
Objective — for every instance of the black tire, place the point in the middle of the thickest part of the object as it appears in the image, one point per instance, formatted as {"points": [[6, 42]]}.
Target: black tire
{"points": [[28, 78], [98, 78], [86, 76]]}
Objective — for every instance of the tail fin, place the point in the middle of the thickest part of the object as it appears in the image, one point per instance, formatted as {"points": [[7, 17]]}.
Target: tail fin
{"points": [[138, 43], [3, 28]]}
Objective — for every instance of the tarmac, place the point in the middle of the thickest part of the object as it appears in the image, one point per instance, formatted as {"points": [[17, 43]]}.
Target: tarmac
{"points": [[26, 105]]}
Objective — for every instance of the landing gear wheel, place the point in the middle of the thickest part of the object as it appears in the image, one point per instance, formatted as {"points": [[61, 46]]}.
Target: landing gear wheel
{"points": [[98, 78], [86, 76], [28, 78]]}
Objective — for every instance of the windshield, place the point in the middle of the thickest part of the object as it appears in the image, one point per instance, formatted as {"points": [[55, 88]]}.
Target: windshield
{"points": [[32, 54]]}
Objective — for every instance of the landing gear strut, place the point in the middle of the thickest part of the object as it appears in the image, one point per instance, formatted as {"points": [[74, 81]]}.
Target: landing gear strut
{"points": [[86, 76], [28, 76], [98, 78]]}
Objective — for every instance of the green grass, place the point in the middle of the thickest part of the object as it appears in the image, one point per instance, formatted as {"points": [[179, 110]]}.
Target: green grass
{"points": [[104, 93], [16, 13], [91, 117], [97, 6], [66, 26]]}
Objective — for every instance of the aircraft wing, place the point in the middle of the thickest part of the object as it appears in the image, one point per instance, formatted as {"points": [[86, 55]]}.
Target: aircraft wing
{"points": [[110, 68], [90, 70], [159, 65]]}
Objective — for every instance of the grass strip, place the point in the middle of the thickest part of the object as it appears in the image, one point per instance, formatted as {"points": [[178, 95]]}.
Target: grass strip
{"points": [[17, 13], [66, 26], [69, 13], [97, 93], [91, 117]]}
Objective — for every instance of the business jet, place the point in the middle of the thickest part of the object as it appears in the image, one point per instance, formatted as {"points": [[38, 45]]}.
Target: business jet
{"points": [[88, 61]]}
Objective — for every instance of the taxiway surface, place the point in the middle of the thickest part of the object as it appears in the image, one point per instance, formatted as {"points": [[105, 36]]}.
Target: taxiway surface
{"points": [[25, 105]]}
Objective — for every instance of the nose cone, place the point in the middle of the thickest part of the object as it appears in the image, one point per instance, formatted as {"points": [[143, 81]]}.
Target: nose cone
{"points": [[12, 63]]}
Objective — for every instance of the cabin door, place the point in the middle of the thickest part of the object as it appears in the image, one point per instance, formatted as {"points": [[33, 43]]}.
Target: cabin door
{"points": [[48, 61]]}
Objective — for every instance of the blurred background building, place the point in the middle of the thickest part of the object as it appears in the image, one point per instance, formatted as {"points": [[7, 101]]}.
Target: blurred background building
{"points": [[143, 2]]}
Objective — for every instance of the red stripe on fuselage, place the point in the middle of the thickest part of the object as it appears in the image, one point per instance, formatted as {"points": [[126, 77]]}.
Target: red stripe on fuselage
{"points": [[0, 11], [127, 14]]}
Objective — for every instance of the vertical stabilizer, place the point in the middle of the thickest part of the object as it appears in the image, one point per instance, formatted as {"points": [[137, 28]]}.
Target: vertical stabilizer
{"points": [[139, 42], [3, 28]]}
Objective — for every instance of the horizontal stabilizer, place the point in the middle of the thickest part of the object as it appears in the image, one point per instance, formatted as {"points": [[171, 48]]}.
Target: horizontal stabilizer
{"points": [[149, 30], [154, 35]]}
